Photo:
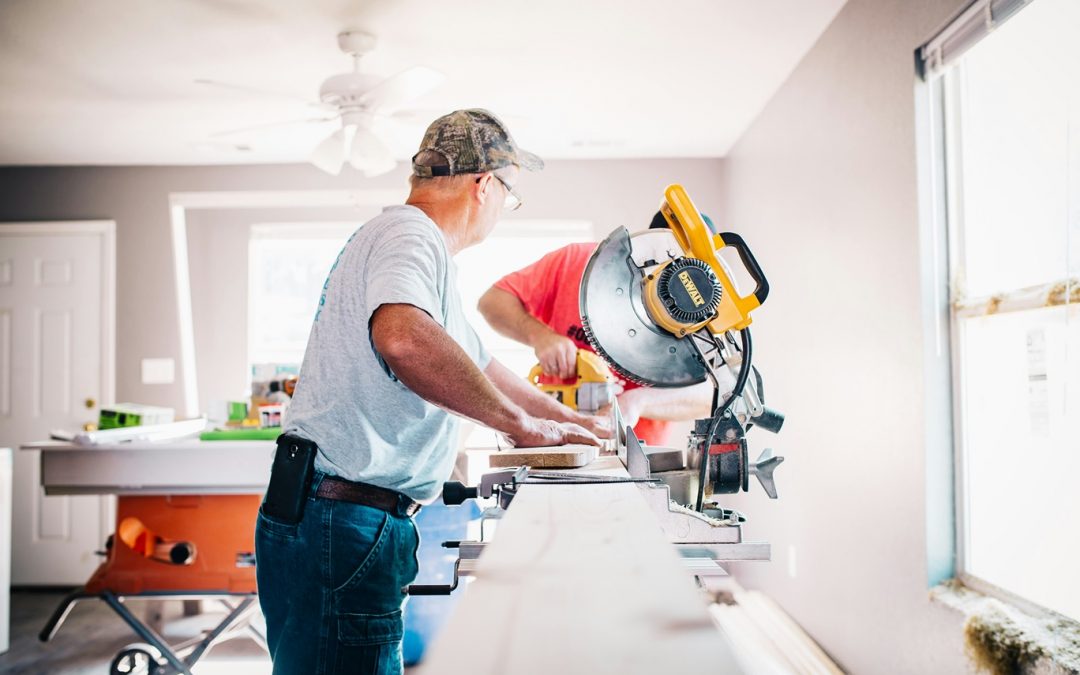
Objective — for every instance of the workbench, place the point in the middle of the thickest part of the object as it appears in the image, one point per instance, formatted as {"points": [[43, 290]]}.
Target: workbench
{"points": [[580, 580], [185, 524], [188, 466]]}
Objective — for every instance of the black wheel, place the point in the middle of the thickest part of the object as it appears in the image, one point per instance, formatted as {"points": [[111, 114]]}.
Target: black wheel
{"points": [[136, 659]]}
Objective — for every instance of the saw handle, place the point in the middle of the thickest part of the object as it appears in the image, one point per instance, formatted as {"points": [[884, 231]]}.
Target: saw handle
{"points": [[761, 290]]}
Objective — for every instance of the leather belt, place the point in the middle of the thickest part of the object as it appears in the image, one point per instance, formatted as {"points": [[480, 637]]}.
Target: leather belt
{"points": [[339, 489]]}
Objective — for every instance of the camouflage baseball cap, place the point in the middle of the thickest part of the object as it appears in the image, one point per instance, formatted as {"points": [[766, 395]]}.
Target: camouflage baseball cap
{"points": [[471, 141]]}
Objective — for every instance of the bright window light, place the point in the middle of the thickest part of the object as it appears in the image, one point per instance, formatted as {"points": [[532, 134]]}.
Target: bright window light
{"points": [[1012, 110], [288, 266]]}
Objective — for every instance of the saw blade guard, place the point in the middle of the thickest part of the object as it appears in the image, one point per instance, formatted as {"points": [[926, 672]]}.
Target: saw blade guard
{"points": [[617, 323]]}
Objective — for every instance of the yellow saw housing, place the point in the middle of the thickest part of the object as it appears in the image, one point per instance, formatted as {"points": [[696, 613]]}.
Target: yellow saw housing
{"points": [[697, 291]]}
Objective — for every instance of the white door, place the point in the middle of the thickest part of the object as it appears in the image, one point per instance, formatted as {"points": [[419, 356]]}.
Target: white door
{"points": [[56, 297]]}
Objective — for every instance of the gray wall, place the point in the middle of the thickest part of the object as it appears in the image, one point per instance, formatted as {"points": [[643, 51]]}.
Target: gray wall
{"points": [[823, 186], [609, 193]]}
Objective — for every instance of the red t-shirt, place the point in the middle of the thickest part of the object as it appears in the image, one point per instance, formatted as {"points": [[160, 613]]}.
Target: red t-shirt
{"points": [[548, 289]]}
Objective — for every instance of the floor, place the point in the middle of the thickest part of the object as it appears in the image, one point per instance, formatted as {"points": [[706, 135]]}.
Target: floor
{"points": [[92, 635]]}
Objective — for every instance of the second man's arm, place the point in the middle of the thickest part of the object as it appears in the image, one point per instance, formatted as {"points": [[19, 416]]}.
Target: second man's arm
{"points": [[556, 353]]}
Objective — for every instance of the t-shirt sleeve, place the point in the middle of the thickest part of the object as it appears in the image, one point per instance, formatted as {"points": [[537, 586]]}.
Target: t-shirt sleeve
{"points": [[534, 285], [483, 357], [407, 267]]}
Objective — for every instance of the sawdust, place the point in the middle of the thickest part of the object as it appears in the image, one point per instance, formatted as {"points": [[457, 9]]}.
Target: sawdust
{"points": [[735, 519], [1002, 640]]}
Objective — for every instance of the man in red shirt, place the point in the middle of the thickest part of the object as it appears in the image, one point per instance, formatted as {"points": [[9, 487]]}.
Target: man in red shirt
{"points": [[539, 306]]}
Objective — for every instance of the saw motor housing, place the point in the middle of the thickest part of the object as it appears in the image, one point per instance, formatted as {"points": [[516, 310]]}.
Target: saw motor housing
{"points": [[705, 295]]}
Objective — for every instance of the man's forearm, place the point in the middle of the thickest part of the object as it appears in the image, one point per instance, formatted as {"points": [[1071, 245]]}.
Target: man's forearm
{"points": [[531, 399], [506, 314], [430, 363]]}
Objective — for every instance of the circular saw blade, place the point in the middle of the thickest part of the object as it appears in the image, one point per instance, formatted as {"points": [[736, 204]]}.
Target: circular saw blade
{"points": [[619, 328]]}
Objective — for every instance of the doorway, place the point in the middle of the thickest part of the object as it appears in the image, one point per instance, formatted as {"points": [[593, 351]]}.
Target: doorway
{"points": [[57, 364]]}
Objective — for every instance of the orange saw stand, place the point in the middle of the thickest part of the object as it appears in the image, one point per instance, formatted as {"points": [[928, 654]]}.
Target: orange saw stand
{"points": [[176, 547]]}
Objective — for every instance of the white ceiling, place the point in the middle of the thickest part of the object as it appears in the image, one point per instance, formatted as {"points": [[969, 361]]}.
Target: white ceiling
{"points": [[112, 81]]}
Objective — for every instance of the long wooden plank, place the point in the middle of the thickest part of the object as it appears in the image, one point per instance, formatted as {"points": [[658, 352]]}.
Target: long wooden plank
{"points": [[580, 580]]}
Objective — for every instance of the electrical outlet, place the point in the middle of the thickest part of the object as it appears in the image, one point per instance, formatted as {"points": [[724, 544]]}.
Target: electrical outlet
{"points": [[791, 560]]}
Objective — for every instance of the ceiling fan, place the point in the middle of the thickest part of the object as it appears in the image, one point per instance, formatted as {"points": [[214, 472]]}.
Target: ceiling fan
{"points": [[355, 99]]}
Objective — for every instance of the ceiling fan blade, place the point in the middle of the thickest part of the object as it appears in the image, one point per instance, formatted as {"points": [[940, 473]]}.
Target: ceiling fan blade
{"points": [[270, 125], [416, 115], [256, 91], [329, 155], [369, 154], [399, 89]]}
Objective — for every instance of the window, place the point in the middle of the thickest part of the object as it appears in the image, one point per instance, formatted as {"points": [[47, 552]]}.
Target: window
{"points": [[1009, 105], [289, 264]]}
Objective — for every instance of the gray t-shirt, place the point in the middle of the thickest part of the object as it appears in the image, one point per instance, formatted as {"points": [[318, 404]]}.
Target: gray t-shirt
{"points": [[369, 426]]}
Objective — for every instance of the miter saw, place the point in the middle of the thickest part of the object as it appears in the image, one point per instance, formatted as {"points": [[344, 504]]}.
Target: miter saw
{"points": [[662, 308]]}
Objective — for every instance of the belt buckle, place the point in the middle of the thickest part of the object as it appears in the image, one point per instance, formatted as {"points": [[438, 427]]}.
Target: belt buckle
{"points": [[412, 508]]}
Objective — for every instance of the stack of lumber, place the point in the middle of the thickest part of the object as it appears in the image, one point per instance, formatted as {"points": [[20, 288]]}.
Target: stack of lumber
{"points": [[766, 640]]}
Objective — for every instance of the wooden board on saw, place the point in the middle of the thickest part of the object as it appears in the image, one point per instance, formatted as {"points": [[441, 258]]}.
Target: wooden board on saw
{"points": [[554, 457]]}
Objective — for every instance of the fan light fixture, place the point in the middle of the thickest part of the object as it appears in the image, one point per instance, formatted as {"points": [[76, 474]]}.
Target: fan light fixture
{"points": [[354, 143], [356, 99]]}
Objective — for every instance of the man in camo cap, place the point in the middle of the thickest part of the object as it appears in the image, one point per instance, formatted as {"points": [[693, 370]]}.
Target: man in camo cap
{"points": [[391, 363]]}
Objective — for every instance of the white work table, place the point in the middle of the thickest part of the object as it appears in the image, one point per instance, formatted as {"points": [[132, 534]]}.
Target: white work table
{"points": [[187, 466], [580, 580]]}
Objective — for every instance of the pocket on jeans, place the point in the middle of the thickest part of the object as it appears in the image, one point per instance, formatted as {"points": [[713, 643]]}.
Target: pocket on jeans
{"points": [[277, 528], [369, 643], [357, 533], [361, 630]]}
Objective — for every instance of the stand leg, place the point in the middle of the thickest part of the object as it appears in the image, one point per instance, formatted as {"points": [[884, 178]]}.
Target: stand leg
{"points": [[242, 610], [145, 632], [61, 614]]}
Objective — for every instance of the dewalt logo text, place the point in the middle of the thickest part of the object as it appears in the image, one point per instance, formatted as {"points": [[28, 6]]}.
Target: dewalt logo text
{"points": [[688, 284]]}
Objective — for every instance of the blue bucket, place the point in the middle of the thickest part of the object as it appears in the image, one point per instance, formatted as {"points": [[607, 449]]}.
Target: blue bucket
{"points": [[426, 614]]}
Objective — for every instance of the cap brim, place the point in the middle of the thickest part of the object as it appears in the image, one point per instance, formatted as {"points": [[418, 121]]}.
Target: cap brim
{"points": [[527, 160]]}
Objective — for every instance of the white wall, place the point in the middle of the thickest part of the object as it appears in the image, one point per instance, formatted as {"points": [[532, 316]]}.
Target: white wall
{"points": [[823, 187]]}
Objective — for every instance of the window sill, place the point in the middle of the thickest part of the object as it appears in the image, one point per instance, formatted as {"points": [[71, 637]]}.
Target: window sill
{"points": [[1001, 638]]}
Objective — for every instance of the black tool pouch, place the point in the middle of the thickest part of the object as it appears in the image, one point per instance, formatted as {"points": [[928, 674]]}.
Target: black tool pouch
{"points": [[290, 479]]}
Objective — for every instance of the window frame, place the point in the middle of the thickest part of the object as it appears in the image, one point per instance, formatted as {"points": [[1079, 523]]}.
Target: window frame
{"points": [[940, 138]]}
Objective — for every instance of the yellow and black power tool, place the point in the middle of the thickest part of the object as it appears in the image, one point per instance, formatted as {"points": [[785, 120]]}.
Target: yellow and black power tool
{"points": [[662, 308], [591, 390]]}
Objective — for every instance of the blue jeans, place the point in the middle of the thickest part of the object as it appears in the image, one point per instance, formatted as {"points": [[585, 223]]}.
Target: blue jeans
{"points": [[331, 587]]}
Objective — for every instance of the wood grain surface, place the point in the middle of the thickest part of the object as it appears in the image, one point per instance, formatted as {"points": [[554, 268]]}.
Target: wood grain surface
{"points": [[557, 457], [580, 581]]}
